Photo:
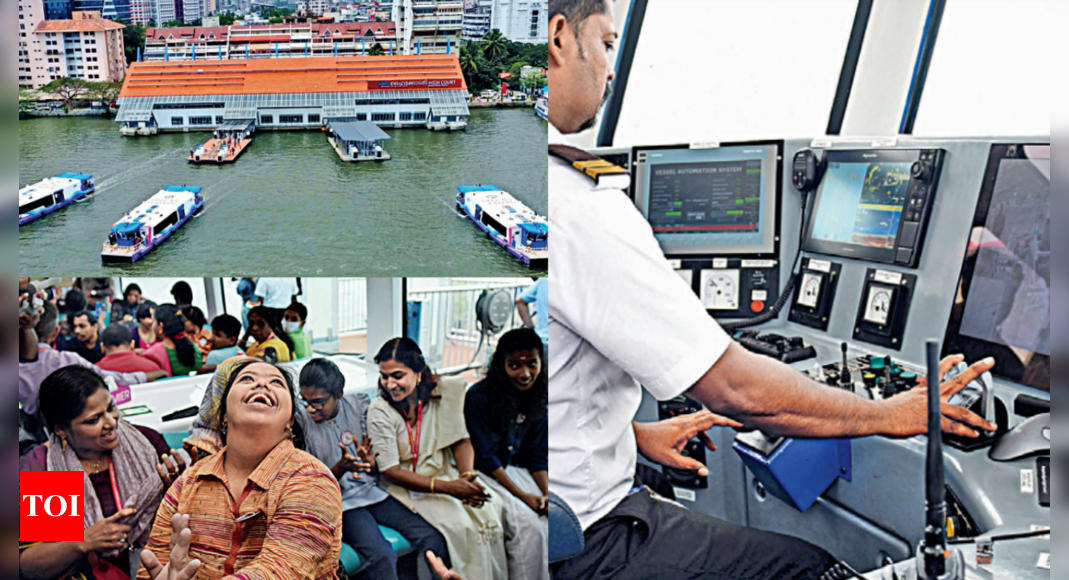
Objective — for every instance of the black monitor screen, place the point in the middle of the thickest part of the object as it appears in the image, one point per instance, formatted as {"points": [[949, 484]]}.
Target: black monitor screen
{"points": [[1003, 307]]}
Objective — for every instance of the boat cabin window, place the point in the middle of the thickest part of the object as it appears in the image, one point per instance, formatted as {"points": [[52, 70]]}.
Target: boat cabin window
{"points": [[494, 224], [33, 205], [170, 221]]}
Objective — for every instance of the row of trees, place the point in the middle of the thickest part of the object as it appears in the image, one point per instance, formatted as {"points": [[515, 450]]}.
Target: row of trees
{"points": [[71, 92], [484, 62]]}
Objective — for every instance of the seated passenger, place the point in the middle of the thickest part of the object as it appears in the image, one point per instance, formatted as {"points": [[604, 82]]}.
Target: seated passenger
{"points": [[175, 353], [506, 416], [261, 507], [86, 337], [272, 344], [144, 334], [119, 353], [123, 311], [37, 360], [204, 434], [225, 333], [337, 435], [119, 461], [427, 461], [293, 322], [195, 323]]}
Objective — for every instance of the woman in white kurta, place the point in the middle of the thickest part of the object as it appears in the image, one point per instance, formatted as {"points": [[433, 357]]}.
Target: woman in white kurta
{"points": [[427, 461]]}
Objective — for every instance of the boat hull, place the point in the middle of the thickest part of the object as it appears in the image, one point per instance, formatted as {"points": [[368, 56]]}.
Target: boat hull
{"points": [[38, 214], [124, 258], [542, 114], [533, 263]]}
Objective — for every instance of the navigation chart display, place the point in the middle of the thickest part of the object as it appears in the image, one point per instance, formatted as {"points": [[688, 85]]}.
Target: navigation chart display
{"points": [[862, 203], [704, 201]]}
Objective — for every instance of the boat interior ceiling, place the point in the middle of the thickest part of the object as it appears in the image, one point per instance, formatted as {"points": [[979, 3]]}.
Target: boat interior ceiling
{"points": [[841, 244]]}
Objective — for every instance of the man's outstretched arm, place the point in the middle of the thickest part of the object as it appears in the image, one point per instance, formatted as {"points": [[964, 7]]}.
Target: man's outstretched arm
{"points": [[768, 395]]}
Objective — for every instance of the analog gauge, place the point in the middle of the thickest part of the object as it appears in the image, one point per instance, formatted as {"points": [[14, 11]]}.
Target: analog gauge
{"points": [[810, 294], [720, 289], [879, 306]]}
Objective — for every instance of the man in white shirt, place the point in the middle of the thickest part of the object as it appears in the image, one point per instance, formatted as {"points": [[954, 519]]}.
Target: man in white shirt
{"points": [[277, 294], [621, 321]]}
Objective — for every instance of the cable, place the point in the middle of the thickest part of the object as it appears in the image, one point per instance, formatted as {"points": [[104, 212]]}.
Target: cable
{"points": [[1007, 537], [788, 290]]}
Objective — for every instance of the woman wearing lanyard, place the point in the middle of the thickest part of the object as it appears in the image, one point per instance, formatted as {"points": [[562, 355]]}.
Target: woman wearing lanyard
{"points": [[272, 345], [417, 427], [124, 479], [259, 508]]}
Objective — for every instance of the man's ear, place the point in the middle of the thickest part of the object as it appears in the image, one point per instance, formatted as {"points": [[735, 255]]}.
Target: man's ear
{"points": [[558, 31]]}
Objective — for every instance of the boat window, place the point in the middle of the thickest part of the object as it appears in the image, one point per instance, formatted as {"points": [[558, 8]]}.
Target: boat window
{"points": [[724, 70], [33, 205], [494, 224], [170, 221], [996, 53]]}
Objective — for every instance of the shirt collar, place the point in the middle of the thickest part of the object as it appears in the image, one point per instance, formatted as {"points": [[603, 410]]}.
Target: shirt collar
{"points": [[555, 136], [264, 474]]}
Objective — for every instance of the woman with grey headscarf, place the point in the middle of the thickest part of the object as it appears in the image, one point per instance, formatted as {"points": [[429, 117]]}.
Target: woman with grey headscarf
{"points": [[127, 470]]}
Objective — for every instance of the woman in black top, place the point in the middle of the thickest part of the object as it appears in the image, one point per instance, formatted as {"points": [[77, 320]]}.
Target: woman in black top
{"points": [[507, 419]]}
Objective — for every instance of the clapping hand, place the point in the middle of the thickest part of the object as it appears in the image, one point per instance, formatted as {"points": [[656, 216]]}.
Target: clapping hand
{"points": [[350, 464], [438, 566], [468, 490], [172, 466], [364, 452], [108, 534], [179, 566]]}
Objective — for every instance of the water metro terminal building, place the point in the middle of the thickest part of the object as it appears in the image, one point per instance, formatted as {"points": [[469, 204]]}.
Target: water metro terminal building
{"points": [[418, 91]]}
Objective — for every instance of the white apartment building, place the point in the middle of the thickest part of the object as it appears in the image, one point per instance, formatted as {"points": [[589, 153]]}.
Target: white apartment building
{"points": [[31, 14], [522, 20], [429, 26], [86, 47], [142, 11], [477, 16]]}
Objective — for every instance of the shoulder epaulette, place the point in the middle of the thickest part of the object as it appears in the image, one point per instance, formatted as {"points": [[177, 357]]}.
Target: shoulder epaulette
{"points": [[592, 166]]}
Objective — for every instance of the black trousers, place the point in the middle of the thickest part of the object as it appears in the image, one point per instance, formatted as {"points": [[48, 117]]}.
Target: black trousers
{"points": [[648, 538]]}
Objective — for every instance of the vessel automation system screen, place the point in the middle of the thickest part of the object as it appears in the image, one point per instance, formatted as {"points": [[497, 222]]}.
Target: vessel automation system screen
{"points": [[710, 201], [1003, 307]]}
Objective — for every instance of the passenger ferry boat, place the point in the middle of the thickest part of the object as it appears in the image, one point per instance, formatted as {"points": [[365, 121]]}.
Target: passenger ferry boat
{"points": [[507, 222], [152, 223], [53, 194], [542, 105]]}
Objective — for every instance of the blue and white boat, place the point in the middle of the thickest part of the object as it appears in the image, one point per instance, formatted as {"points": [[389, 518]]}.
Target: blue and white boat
{"points": [[507, 222], [542, 105], [53, 194], [152, 223]]}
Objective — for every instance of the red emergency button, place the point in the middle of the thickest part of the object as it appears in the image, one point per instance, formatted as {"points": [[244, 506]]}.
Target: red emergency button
{"points": [[758, 307]]}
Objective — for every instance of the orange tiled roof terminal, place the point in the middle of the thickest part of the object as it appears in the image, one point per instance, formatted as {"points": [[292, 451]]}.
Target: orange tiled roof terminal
{"points": [[288, 75]]}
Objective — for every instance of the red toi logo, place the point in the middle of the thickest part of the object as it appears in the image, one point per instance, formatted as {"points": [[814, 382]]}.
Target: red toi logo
{"points": [[52, 506]]}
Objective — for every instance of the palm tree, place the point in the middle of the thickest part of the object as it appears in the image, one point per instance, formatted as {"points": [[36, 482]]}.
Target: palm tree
{"points": [[376, 50], [469, 60], [494, 45]]}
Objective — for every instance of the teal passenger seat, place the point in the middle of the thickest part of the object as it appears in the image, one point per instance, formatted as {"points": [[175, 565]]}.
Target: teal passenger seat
{"points": [[351, 561]]}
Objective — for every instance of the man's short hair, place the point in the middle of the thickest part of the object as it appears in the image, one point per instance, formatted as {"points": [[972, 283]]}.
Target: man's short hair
{"points": [[48, 322], [182, 293], [89, 316], [116, 335], [227, 325], [577, 11]]}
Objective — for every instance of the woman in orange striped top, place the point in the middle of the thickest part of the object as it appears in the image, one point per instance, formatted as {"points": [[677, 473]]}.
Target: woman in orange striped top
{"points": [[259, 509]]}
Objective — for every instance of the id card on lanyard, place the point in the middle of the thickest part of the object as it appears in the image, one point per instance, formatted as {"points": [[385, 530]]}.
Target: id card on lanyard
{"points": [[414, 445]]}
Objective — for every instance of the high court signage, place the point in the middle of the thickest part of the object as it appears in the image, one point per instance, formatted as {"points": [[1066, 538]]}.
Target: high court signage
{"points": [[400, 85]]}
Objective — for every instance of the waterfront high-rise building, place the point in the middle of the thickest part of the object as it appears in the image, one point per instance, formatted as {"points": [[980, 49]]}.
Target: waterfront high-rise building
{"points": [[57, 9], [477, 16], [108, 9], [142, 11], [31, 13], [522, 20], [85, 47], [429, 26]]}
